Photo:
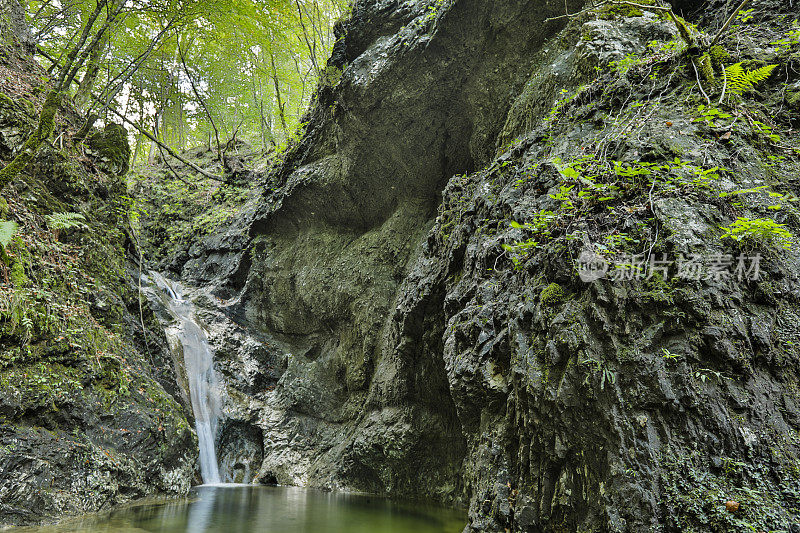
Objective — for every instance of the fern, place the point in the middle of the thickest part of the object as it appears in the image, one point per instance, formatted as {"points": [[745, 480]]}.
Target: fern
{"points": [[740, 81], [7, 230], [59, 221]]}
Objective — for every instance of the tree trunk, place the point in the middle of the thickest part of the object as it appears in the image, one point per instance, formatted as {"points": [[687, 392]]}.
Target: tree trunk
{"points": [[281, 105], [82, 96]]}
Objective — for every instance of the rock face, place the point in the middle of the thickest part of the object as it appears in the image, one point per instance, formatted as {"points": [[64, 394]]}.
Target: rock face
{"points": [[404, 310], [13, 28], [88, 409], [330, 251]]}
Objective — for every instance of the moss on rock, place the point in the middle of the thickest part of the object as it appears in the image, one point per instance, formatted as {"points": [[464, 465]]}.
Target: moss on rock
{"points": [[111, 149], [552, 295]]}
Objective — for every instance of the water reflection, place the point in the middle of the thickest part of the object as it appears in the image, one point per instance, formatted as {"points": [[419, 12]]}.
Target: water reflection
{"points": [[244, 509], [199, 512]]}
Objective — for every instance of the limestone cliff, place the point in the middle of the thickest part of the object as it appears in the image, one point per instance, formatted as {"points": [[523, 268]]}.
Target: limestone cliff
{"points": [[410, 282], [448, 288]]}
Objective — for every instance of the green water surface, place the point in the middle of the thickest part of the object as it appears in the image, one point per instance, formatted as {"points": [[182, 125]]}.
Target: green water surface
{"points": [[245, 509]]}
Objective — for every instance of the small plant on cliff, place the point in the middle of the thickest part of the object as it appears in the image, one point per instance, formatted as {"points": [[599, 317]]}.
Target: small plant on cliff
{"points": [[790, 40], [741, 81], [7, 230], [552, 295], [540, 227], [434, 10], [599, 369], [759, 231], [61, 221], [710, 115]]}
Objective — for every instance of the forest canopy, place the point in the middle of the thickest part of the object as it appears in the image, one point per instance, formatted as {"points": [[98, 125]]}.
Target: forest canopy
{"points": [[189, 72]]}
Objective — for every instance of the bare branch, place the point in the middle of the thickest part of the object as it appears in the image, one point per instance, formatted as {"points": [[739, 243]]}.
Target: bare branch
{"points": [[169, 150], [699, 84], [724, 27]]}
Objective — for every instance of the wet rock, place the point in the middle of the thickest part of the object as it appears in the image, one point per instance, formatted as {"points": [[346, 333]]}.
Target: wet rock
{"points": [[241, 451], [406, 350], [88, 409], [16, 123]]}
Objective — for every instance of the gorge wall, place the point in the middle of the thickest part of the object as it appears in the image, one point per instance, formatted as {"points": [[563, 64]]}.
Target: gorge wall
{"points": [[400, 310], [403, 313], [91, 414]]}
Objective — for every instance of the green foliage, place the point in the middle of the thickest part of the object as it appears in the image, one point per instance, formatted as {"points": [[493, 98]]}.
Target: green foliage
{"points": [[744, 16], [760, 128], [565, 97], [171, 214], [707, 374], [563, 196], [741, 81], [433, 10], [709, 115], [331, 76], [615, 242], [790, 40], [656, 51], [519, 250], [759, 231], [540, 223], [539, 227], [254, 64], [43, 385], [599, 370], [62, 221], [763, 189], [7, 230], [622, 66], [589, 184], [695, 491]]}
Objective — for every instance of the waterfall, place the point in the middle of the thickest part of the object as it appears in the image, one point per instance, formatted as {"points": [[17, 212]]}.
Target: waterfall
{"points": [[199, 363]]}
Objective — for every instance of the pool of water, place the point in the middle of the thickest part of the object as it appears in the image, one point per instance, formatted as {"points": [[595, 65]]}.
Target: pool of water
{"points": [[244, 509]]}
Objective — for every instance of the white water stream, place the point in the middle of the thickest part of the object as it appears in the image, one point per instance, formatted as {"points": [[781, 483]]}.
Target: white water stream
{"points": [[203, 384]]}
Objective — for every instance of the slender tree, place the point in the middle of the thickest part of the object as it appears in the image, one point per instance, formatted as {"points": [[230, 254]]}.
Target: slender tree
{"points": [[46, 123]]}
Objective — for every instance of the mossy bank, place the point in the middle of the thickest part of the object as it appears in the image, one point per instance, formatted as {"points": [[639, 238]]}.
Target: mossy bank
{"points": [[88, 409]]}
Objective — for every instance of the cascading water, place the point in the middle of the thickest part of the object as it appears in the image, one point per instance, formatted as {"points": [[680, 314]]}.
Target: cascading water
{"points": [[203, 384]]}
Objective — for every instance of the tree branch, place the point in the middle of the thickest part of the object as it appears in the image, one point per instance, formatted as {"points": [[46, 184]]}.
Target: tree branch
{"points": [[724, 27], [202, 101], [169, 150]]}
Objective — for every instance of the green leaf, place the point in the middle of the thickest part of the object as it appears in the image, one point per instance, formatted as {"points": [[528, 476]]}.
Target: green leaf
{"points": [[59, 221], [569, 173], [7, 230], [741, 81]]}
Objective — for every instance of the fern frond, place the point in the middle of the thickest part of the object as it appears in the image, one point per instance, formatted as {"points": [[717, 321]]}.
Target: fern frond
{"points": [[7, 230], [741, 81], [59, 221]]}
